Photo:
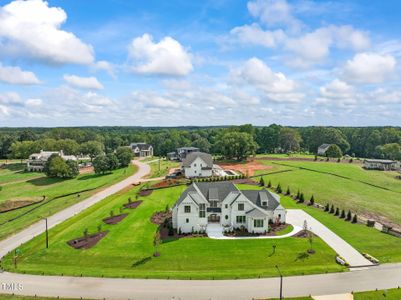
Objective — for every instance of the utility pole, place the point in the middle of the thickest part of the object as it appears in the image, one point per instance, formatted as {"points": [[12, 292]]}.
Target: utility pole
{"points": [[281, 283], [47, 235]]}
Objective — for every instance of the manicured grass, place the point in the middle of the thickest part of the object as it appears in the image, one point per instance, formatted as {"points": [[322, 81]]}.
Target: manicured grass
{"points": [[286, 230], [165, 166], [365, 239], [132, 240], [356, 193], [15, 172], [391, 294], [52, 188]]}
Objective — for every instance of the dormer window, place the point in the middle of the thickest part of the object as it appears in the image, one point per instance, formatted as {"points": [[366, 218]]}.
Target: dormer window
{"points": [[264, 203]]}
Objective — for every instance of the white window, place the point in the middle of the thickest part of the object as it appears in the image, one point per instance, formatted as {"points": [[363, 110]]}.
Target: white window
{"points": [[187, 209], [202, 210], [240, 206], [258, 223], [241, 219]]}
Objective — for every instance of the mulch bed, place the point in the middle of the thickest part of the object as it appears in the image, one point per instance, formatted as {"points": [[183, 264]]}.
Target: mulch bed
{"points": [[114, 219], [304, 234], [145, 192], [245, 181], [272, 232], [166, 183], [87, 242], [133, 205], [159, 218]]}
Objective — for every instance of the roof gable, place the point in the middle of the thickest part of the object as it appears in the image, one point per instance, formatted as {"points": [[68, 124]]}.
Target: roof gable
{"points": [[191, 157]]}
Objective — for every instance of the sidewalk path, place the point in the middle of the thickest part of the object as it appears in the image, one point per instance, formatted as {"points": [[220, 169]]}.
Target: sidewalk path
{"points": [[37, 228]]}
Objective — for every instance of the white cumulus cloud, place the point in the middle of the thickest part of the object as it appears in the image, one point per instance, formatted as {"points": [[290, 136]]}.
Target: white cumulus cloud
{"points": [[369, 68], [90, 83], [32, 29], [15, 75], [167, 57], [254, 34]]}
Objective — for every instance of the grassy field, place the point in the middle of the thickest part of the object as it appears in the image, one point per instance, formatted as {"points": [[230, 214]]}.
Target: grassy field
{"points": [[131, 241], [391, 294], [165, 166], [23, 185], [371, 193], [17, 297]]}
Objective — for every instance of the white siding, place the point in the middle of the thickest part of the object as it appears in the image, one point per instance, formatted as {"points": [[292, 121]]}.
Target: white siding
{"points": [[195, 169]]}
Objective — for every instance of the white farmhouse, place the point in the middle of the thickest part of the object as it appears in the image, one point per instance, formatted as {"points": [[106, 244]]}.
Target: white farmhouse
{"points": [[197, 164], [141, 149], [222, 202], [36, 161], [322, 149]]}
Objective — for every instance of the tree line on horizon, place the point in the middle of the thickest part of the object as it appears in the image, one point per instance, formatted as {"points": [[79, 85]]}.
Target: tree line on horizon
{"points": [[233, 142]]}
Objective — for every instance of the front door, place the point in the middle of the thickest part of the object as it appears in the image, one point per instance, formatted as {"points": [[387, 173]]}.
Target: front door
{"points": [[214, 218]]}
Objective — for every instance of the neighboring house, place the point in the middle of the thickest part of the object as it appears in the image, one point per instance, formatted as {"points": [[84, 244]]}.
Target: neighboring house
{"points": [[322, 149], [197, 164], [184, 151], [380, 164], [141, 149], [221, 202], [172, 156], [36, 161]]}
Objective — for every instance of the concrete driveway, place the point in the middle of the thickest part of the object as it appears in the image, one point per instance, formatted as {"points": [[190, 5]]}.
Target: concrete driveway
{"points": [[37, 228], [297, 217]]}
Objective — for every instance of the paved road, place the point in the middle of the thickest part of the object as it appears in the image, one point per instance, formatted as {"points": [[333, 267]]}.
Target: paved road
{"points": [[381, 277], [27, 234], [297, 217]]}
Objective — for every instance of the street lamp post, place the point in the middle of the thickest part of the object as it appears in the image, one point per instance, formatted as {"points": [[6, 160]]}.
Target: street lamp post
{"points": [[281, 283]]}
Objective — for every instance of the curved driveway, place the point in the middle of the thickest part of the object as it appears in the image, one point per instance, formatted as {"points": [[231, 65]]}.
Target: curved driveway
{"points": [[381, 277]]}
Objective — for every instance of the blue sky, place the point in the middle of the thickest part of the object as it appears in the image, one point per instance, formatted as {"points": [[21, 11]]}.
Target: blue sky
{"points": [[168, 63]]}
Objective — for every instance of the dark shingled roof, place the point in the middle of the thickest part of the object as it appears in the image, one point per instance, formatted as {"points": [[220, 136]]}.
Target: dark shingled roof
{"points": [[218, 191], [257, 197], [190, 158], [141, 146], [324, 146]]}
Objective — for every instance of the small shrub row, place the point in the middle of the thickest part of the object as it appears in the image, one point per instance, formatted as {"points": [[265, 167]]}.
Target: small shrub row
{"points": [[342, 215]]}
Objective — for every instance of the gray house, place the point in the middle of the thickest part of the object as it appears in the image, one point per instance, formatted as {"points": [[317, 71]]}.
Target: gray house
{"points": [[198, 164], [141, 149]]}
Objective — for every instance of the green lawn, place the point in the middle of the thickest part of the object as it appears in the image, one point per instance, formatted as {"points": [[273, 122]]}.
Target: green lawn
{"points": [[354, 192], [391, 294], [23, 187], [165, 166], [15, 172], [132, 241], [365, 239]]}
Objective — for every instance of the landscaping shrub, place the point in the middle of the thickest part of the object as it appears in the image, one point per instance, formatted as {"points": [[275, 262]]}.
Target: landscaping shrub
{"points": [[337, 212], [288, 191], [298, 195], [332, 209], [355, 219], [327, 207], [269, 185], [261, 181], [349, 216], [312, 200], [342, 216], [302, 198], [278, 189]]}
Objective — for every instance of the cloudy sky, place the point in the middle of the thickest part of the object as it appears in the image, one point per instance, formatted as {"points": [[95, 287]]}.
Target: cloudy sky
{"points": [[179, 62]]}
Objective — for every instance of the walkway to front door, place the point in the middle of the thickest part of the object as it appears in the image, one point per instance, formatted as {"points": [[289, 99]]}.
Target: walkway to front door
{"points": [[214, 218]]}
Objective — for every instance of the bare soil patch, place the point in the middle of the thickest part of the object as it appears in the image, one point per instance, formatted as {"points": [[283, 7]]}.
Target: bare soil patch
{"points": [[145, 193], [133, 205], [86, 170], [18, 203], [87, 242], [166, 183], [160, 217], [247, 168], [304, 234], [245, 181], [114, 219]]}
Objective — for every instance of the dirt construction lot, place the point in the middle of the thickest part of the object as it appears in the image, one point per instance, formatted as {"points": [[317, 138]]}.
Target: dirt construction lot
{"points": [[247, 168]]}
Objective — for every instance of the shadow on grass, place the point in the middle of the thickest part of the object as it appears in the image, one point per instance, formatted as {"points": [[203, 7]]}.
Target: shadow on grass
{"points": [[92, 176], [43, 181], [14, 167], [302, 256]]}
